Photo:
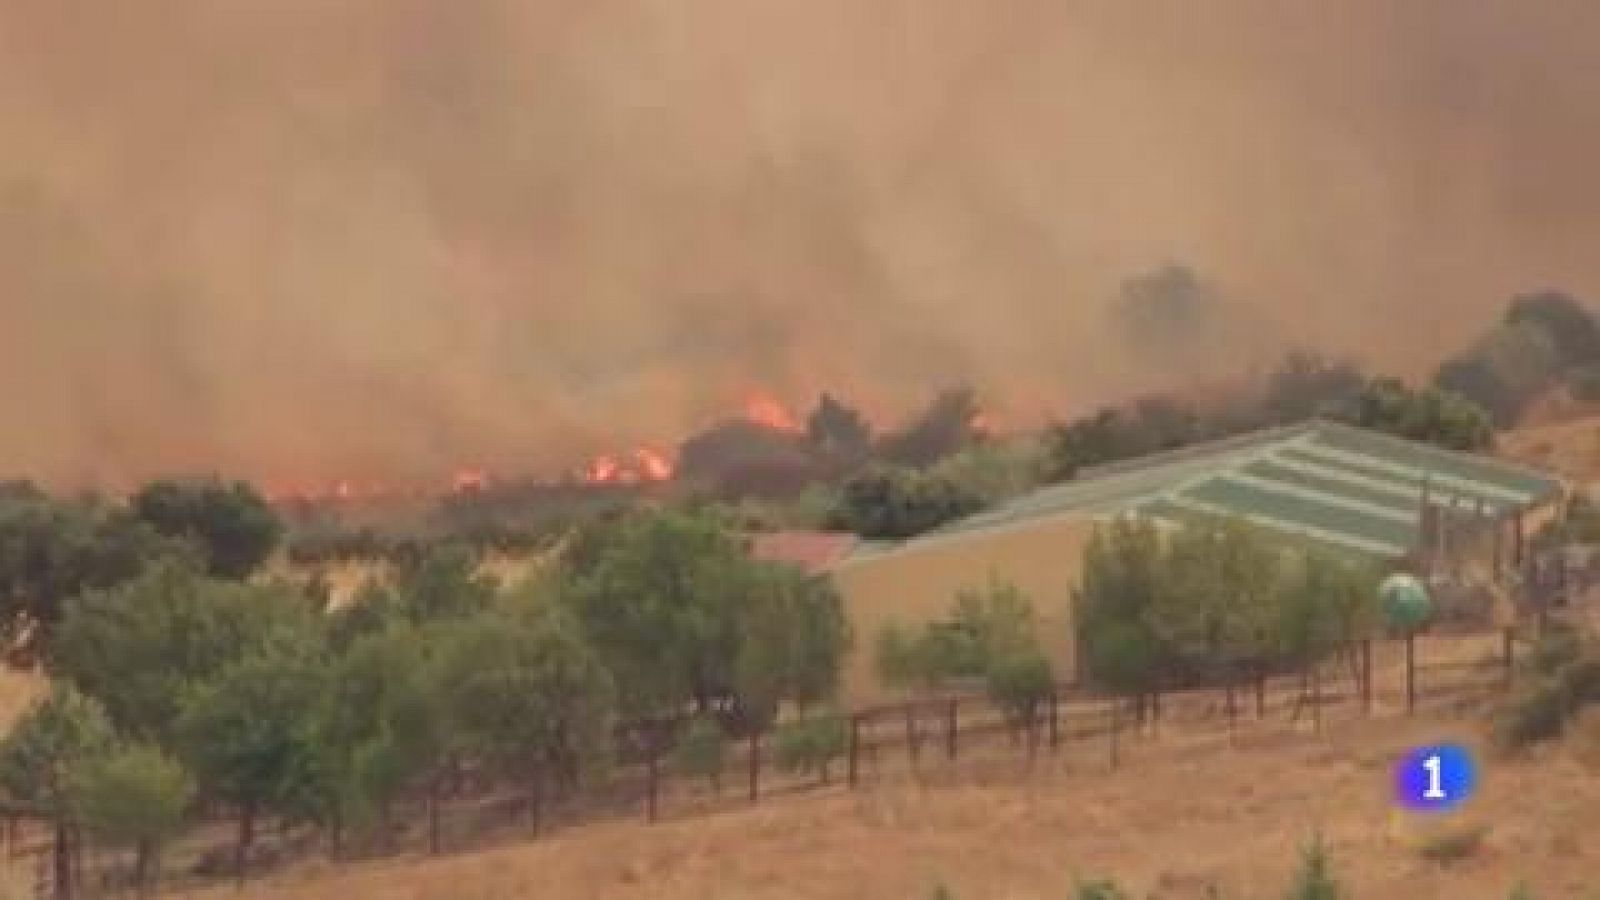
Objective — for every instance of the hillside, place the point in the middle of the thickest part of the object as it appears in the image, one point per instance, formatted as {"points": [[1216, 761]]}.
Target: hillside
{"points": [[1175, 818], [1568, 447]]}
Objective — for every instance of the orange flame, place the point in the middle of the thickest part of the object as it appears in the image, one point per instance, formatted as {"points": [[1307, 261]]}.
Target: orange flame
{"points": [[764, 409], [602, 470], [653, 466], [642, 466]]}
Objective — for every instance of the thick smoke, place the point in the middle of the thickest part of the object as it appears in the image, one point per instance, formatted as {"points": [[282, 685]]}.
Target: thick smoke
{"points": [[302, 239]]}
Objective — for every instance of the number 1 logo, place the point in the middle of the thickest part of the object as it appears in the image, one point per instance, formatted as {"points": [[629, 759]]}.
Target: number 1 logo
{"points": [[1436, 778], [1435, 766]]}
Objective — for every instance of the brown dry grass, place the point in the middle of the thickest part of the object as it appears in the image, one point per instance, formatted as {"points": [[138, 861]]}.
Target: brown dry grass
{"points": [[346, 578], [1568, 448], [1177, 817], [18, 690]]}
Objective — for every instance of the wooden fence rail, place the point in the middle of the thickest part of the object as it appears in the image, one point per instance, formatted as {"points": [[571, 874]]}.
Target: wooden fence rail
{"points": [[928, 735]]}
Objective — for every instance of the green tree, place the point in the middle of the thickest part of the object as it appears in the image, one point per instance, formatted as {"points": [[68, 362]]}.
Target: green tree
{"points": [[985, 628], [53, 743], [793, 636], [52, 551], [380, 726], [247, 731], [135, 796], [444, 584], [231, 523], [1122, 576], [993, 471], [891, 503], [702, 750], [1020, 683], [1326, 602], [812, 744], [661, 606], [895, 657], [527, 696], [138, 646], [372, 608], [1216, 606], [1433, 416]]}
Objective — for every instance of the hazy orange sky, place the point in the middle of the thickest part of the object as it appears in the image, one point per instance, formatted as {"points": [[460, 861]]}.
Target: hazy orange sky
{"points": [[285, 238]]}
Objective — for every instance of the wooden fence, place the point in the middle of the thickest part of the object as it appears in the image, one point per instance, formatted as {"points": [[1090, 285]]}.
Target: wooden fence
{"points": [[1432, 673]]}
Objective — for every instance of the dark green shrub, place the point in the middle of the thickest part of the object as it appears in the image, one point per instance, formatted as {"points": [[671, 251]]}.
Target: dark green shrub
{"points": [[810, 745], [1100, 889], [1555, 649], [701, 750], [1315, 879], [1020, 683], [1454, 844], [1537, 712]]}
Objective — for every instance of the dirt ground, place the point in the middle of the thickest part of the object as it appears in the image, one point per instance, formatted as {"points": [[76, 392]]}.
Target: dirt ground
{"points": [[1178, 816]]}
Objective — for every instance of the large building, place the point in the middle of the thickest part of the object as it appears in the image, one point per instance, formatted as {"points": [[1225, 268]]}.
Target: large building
{"points": [[1348, 489]]}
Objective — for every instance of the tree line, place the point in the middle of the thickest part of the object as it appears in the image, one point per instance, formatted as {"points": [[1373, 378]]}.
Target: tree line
{"points": [[184, 681]]}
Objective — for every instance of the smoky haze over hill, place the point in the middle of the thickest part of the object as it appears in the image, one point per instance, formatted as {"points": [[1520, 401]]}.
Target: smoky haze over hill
{"points": [[290, 238]]}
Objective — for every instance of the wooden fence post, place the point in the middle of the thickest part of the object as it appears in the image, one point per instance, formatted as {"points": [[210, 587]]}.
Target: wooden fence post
{"points": [[435, 790], [952, 727], [911, 732], [1116, 726], [1316, 699], [1510, 641], [652, 781], [1055, 718], [1232, 710], [755, 765], [855, 749], [1366, 676], [1411, 673]]}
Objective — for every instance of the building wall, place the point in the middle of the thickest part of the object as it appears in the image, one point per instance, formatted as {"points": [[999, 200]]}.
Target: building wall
{"points": [[918, 583]]}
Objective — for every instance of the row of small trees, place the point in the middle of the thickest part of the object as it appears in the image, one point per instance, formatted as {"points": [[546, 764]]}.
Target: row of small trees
{"points": [[1206, 603], [1211, 601], [178, 690]]}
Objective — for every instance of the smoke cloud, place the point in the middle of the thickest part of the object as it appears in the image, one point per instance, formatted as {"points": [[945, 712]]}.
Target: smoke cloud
{"points": [[287, 238]]}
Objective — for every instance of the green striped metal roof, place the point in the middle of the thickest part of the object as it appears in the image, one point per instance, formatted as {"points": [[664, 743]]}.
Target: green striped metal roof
{"points": [[1354, 489]]}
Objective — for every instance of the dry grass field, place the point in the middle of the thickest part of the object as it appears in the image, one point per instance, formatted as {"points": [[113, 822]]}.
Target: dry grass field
{"points": [[1177, 817]]}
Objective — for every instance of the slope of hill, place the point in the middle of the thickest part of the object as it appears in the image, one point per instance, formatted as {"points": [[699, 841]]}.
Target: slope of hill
{"points": [[1174, 820], [1568, 447]]}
